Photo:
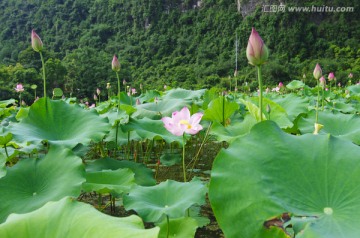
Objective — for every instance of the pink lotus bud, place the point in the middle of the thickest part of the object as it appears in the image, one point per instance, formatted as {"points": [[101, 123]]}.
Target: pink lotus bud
{"points": [[133, 91], [115, 64], [317, 72], [138, 101], [124, 82], [95, 97], [350, 76], [98, 91], [322, 81], [281, 85], [19, 88], [36, 42], [331, 76], [256, 51]]}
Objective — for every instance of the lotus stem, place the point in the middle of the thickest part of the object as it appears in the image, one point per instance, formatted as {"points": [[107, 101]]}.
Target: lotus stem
{"points": [[168, 226], [317, 104], [118, 82], [183, 159], [43, 73], [260, 91]]}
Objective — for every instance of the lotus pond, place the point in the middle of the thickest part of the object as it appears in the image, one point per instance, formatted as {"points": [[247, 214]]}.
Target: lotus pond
{"points": [[70, 170]]}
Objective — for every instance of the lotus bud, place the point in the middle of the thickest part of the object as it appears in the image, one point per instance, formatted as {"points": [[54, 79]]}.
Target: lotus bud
{"points": [[322, 81], [124, 82], [350, 76], [331, 76], [304, 76], [95, 97], [108, 86], [133, 91], [98, 91], [115, 64], [256, 51], [281, 85], [317, 72], [36, 42], [138, 101]]}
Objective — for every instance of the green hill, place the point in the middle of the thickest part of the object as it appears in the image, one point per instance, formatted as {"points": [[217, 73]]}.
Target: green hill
{"points": [[183, 43]]}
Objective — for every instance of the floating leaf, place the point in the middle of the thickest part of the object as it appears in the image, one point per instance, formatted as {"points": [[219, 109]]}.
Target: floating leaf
{"points": [[5, 139], [143, 175], [59, 123], [157, 110], [31, 183], [180, 227], [167, 198], [109, 181], [234, 130], [69, 218], [295, 84], [344, 126], [151, 129], [183, 94], [269, 172]]}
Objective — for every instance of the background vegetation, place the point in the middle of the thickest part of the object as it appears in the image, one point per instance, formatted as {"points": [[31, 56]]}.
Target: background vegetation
{"points": [[183, 43]]}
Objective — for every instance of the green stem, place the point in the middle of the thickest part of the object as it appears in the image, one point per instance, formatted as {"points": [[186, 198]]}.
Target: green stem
{"points": [[116, 136], [44, 77], [322, 99], [183, 159], [223, 111], [6, 152], [118, 81], [168, 226], [260, 91], [317, 103]]}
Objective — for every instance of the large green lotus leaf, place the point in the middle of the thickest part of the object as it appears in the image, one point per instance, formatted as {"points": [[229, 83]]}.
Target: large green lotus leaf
{"points": [[345, 126], [73, 219], [278, 114], [109, 181], [60, 123], [183, 94], [151, 129], [157, 110], [220, 110], [149, 96], [170, 198], [269, 172], [355, 89], [343, 107], [31, 183], [143, 175], [295, 84], [184, 227], [234, 130], [293, 104]]}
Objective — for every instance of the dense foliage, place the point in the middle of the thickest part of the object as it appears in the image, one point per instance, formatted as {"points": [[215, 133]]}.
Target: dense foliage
{"points": [[184, 43]]}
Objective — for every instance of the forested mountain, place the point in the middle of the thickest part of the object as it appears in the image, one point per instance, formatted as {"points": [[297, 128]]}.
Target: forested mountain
{"points": [[183, 43]]}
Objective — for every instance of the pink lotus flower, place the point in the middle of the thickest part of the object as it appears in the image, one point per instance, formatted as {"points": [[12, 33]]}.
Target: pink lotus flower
{"points": [[19, 88], [36, 42], [331, 76], [181, 122], [115, 64], [317, 72], [256, 51]]}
